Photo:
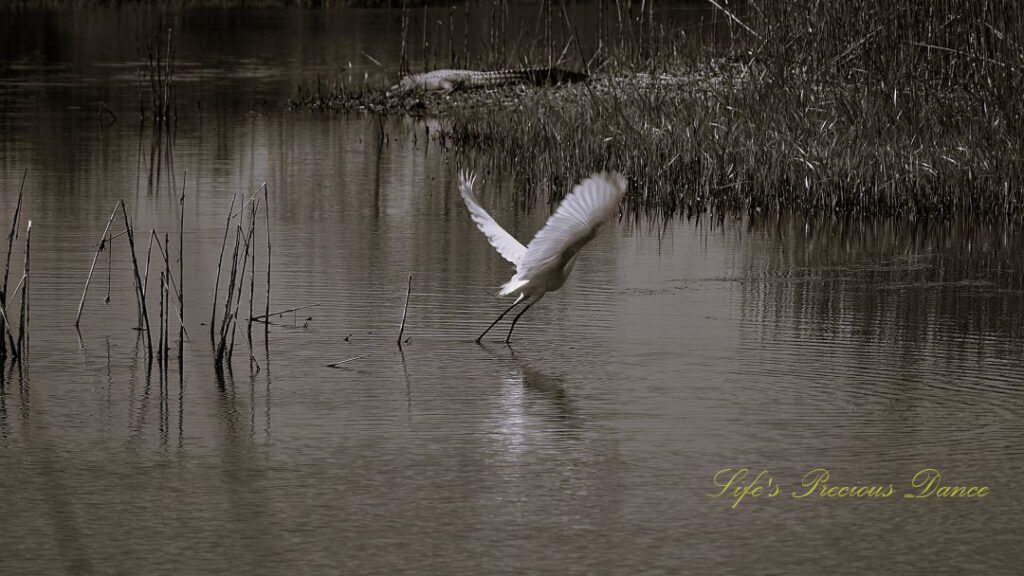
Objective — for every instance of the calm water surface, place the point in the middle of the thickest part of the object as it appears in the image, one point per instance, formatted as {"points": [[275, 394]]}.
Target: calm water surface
{"points": [[872, 349]]}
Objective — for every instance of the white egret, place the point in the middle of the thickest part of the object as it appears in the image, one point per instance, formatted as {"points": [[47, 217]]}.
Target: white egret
{"points": [[544, 264]]}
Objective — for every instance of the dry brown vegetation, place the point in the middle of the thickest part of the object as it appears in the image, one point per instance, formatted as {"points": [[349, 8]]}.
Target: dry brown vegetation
{"points": [[859, 107], [866, 107]]}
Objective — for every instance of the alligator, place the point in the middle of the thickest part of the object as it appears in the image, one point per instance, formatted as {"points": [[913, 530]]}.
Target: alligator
{"points": [[449, 80]]}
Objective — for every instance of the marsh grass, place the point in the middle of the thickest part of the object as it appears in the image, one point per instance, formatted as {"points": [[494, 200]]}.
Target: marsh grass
{"points": [[243, 260], [860, 107]]}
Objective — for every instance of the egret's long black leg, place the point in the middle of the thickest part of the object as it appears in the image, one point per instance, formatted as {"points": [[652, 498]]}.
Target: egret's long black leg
{"points": [[516, 319], [507, 310]]}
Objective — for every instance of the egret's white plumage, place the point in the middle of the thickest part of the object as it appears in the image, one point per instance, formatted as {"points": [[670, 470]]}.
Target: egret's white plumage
{"points": [[544, 264]]}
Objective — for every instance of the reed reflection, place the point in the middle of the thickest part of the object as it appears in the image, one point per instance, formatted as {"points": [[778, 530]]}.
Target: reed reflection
{"points": [[910, 284]]}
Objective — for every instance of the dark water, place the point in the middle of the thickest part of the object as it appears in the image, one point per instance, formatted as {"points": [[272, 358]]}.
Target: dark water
{"points": [[874, 349]]}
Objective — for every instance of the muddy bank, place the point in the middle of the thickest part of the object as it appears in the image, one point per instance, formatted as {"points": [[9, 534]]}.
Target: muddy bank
{"points": [[385, 99]]}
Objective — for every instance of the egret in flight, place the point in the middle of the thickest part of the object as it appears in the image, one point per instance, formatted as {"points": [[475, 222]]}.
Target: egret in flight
{"points": [[543, 265]]}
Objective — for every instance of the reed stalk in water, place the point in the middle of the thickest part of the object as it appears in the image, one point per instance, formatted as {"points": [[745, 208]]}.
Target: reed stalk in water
{"points": [[103, 245], [25, 308], [7, 267], [160, 73], [160, 315], [220, 261], [7, 330], [166, 296], [266, 216], [405, 311], [243, 255], [252, 278], [266, 317], [164, 249], [181, 268], [140, 290], [221, 344]]}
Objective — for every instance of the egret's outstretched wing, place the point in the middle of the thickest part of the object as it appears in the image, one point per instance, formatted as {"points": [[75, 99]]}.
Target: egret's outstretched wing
{"points": [[509, 248], [574, 223]]}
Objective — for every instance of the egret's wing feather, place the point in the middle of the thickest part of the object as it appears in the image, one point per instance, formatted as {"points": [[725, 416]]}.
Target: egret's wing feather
{"points": [[591, 203], [509, 248]]}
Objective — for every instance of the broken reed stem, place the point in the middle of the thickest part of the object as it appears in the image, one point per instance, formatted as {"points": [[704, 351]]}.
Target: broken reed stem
{"points": [[165, 254], [266, 215], [250, 199], [267, 316], [451, 36], [247, 237], [23, 324], [168, 73], [465, 40], [160, 331], [405, 312], [243, 259], [138, 281], [7, 267], [14, 229], [403, 59], [103, 242], [149, 258], [165, 294], [110, 267], [252, 275], [216, 286], [7, 329], [181, 268], [338, 364], [221, 342], [252, 357], [17, 289]]}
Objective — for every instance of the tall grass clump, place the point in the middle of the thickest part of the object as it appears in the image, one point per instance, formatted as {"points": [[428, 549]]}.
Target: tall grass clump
{"points": [[859, 107]]}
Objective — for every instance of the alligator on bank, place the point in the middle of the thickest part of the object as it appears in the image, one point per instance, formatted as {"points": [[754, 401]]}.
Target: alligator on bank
{"points": [[449, 80]]}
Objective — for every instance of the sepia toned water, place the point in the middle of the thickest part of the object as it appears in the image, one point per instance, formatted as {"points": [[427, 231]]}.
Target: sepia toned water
{"points": [[874, 349]]}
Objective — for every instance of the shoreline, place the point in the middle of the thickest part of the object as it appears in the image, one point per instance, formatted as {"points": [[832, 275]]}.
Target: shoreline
{"points": [[722, 136]]}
